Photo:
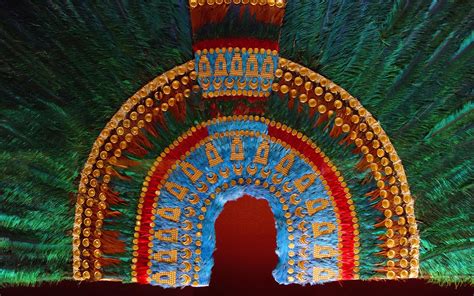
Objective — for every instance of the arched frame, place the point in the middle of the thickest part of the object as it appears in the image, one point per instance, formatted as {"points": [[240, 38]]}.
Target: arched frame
{"points": [[168, 93]]}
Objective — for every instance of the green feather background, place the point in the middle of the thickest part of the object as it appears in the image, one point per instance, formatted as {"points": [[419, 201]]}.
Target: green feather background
{"points": [[411, 65], [66, 67]]}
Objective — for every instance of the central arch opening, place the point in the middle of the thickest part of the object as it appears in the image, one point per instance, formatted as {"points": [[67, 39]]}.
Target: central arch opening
{"points": [[245, 244]]}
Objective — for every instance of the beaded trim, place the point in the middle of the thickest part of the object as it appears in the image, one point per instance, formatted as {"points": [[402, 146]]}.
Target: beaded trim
{"points": [[271, 3]]}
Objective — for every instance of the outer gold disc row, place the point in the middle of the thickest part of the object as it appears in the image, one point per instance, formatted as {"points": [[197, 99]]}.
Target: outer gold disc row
{"points": [[277, 3], [165, 92], [168, 91], [348, 116]]}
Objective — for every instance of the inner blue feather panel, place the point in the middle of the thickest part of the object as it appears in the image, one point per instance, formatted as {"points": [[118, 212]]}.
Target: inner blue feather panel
{"points": [[202, 213]]}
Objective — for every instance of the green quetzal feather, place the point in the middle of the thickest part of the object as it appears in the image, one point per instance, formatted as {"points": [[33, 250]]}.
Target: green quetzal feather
{"points": [[65, 68]]}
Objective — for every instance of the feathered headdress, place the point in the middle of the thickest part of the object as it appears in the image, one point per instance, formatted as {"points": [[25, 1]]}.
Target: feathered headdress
{"points": [[352, 119]]}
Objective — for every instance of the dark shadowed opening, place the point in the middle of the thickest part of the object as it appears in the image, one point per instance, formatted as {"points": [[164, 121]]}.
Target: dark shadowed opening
{"points": [[245, 244]]}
